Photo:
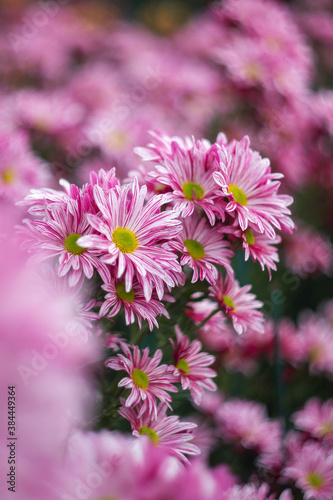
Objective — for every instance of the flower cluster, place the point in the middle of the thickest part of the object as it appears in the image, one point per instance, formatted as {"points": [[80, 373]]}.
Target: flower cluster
{"points": [[141, 302]]}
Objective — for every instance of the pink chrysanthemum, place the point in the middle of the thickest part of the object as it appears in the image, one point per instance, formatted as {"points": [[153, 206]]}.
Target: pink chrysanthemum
{"points": [[20, 169], [315, 336], [132, 234], [246, 423], [64, 222], [260, 248], [187, 167], [316, 418], [165, 431], [75, 312], [308, 252], [191, 366], [147, 378], [202, 246], [312, 469], [248, 492], [133, 302], [238, 304], [251, 189]]}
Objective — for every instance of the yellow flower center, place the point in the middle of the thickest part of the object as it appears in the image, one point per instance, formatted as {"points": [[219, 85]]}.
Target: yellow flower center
{"points": [[125, 240], [249, 236], [315, 479], [253, 71], [195, 249], [122, 294], [8, 175], [71, 246], [192, 191], [140, 379], [238, 194], [107, 498], [229, 302], [326, 428], [183, 366], [148, 431], [117, 140]]}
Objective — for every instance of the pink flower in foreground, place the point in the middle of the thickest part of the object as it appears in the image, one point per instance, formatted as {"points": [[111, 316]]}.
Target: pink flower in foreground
{"points": [[202, 246], [191, 366], [131, 236], [312, 469], [187, 167], [165, 431], [238, 304], [246, 423], [147, 378], [316, 418], [251, 188], [133, 302]]}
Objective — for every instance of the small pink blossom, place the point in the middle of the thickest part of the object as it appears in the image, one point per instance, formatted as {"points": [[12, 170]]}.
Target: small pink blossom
{"points": [[165, 431], [246, 423], [133, 302], [312, 469], [316, 418], [191, 366], [202, 247], [147, 379], [237, 303]]}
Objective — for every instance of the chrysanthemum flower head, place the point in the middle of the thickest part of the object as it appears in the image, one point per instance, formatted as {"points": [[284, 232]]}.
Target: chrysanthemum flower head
{"points": [[147, 379], [316, 418], [162, 430], [133, 302], [187, 167], [261, 248], [251, 188], [20, 169], [312, 469], [131, 236], [191, 366], [57, 232], [238, 304], [202, 247], [246, 423]]}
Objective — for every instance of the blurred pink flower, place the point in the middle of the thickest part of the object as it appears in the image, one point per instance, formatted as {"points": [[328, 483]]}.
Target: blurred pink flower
{"points": [[307, 252], [312, 469], [316, 418], [246, 423], [20, 168]]}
